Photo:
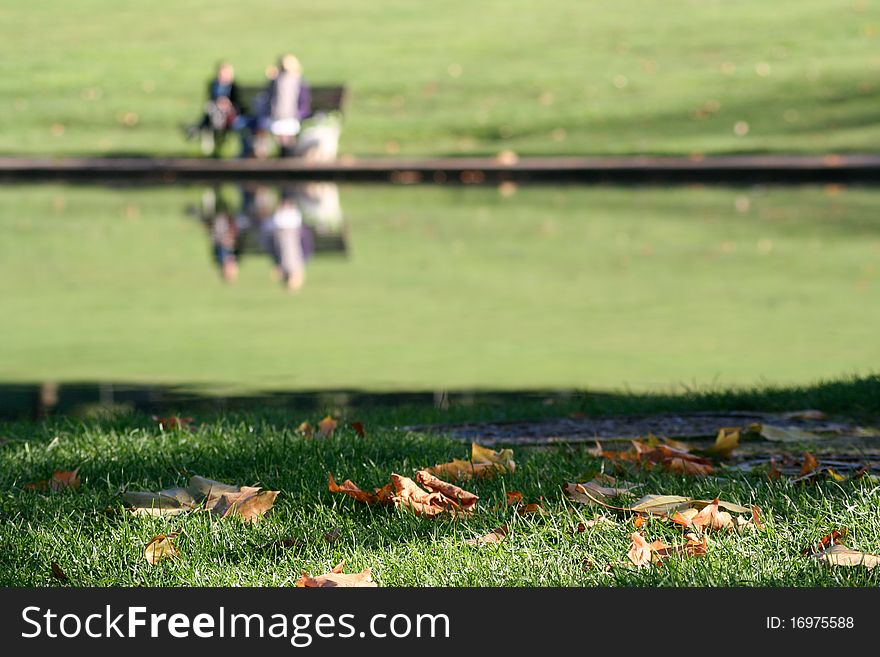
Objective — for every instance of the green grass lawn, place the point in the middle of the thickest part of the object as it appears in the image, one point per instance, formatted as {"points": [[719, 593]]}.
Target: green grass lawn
{"points": [[574, 77], [602, 288], [95, 548]]}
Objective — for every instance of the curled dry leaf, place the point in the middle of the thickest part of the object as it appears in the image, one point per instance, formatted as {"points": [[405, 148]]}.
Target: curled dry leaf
{"points": [[337, 578], [381, 495], [249, 504], [840, 555], [359, 429], [450, 499], [484, 462], [160, 547], [305, 429], [60, 480], [495, 536], [514, 497], [326, 427]]}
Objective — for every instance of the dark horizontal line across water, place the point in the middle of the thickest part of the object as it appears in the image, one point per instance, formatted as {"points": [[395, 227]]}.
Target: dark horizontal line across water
{"points": [[728, 169]]}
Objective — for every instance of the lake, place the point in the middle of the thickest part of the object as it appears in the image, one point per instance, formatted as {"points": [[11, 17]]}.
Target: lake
{"points": [[427, 288]]}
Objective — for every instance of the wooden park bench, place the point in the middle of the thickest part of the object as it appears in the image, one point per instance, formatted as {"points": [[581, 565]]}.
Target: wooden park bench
{"points": [[325, 99]]}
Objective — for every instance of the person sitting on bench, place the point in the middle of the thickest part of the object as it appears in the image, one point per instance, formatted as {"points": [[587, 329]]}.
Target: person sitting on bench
{"points": [[223, 108], [289, 102]]}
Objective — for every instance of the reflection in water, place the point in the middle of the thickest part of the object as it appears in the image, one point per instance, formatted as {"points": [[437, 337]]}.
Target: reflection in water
{"points": [[289, 224]]}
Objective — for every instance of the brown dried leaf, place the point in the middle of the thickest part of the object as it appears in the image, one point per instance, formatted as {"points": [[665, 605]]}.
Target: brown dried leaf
{"points": [[336, 578], [809, 465], [826, 541], [249, 504], [359, 429], [514, 497], [160, 547], [305, 429], [326, 427], [484, 462], [380, 496], [57, 572], [465, 499], [495, 536], [60, 480], [409, 495]]}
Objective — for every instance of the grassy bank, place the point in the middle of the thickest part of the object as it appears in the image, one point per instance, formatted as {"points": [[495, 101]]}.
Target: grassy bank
{"points": [[576, 77], [95, 548]]}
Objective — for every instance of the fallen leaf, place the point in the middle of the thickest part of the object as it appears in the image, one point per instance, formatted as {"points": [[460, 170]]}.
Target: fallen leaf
{"points": [[638, 521], [514, 497], [305, 429], [726, 441], [534, 507], [641, 553], [836, 476], [249, 504], [484, 462], [381, 495], [660, 504], [57, 572], [495, 536], [589, 492], [409, 495], [786, 434], [326, 427], [359, 429], [774, 472], [160, 547], [711, 517], [826, 541], [810, 464], [453, 492], [173, 422], [840, 555], [336, 578], [60, 480]]}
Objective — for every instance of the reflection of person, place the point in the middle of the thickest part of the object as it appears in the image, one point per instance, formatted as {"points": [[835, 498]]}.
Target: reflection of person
{"points": [[289, 226], [287, 246]]}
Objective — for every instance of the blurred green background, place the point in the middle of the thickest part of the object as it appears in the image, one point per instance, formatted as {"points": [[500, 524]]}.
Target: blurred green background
{"points": [[455, 77]]}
